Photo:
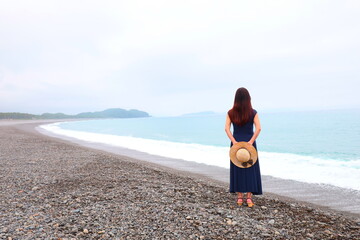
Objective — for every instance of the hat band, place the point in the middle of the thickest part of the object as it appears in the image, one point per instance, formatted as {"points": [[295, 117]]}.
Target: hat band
{"points": [[244, 164]]}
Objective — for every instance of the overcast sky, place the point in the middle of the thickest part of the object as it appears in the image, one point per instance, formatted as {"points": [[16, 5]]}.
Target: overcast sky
{"points": [[174, 57]]}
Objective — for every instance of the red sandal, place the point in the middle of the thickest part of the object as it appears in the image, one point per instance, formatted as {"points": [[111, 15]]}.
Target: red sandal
{"points": [[249, 202], [240, 201]]}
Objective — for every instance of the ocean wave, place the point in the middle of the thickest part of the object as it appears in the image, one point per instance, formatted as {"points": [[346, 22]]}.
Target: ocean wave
{"points": [[308, 169]]}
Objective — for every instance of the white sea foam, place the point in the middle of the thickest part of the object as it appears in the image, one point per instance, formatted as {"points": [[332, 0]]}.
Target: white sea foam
{"points": [[282, 165]]}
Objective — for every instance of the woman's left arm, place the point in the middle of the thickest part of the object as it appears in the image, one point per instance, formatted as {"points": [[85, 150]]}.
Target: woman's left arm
{"points": [[257, 129], [227, 130]]}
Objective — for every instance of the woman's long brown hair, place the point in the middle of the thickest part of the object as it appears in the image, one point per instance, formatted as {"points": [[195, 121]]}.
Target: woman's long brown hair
{"points": [[242, 110]]}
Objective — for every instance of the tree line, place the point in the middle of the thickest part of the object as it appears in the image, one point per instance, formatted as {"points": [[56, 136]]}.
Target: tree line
{"points": [[108, 113]]}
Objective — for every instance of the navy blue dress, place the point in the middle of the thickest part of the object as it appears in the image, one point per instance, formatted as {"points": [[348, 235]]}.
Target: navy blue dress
{"points": [[245, 179]]}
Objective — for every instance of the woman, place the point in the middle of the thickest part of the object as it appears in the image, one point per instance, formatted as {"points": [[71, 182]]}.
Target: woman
{"points": [[244, 117]]}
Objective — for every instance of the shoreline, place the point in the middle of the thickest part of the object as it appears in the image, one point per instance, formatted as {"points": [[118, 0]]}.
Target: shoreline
{"points": [[53, 188], [286, 189]]}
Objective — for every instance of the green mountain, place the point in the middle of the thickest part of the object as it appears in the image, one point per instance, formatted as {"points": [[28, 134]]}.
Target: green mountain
{"points": [[108, 113], [15, 115], [113, 113], [54, 116]]}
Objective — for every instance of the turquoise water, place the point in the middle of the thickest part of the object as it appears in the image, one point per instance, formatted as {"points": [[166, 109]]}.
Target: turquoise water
{"points": [[314, 147], [322, 134]]}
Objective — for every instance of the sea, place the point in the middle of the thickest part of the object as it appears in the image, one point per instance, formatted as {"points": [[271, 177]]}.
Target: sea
{"points": [[321, 147]]}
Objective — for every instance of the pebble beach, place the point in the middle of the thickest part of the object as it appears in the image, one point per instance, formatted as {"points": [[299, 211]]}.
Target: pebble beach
{"points": [[53, 189]]}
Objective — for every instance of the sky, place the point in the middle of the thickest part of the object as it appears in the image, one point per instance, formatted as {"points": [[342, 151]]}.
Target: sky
{"points": [[174, 57]]}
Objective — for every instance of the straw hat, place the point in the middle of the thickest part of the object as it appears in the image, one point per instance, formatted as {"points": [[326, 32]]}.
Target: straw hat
{"points": [[243, 154]]}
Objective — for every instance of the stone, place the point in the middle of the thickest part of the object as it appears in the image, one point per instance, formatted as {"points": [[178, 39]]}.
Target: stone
{"points": [[266, 235], [261, 228], [220, 212], [76, 211], [272, 221]]}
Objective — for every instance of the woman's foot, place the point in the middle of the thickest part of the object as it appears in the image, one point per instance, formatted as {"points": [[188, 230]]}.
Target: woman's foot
{"points": [[249, 202], [240, 201]]}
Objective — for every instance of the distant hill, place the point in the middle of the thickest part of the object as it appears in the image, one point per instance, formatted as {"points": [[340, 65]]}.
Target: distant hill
{"points": [[108, 113], [15, 115], [113, 113]]}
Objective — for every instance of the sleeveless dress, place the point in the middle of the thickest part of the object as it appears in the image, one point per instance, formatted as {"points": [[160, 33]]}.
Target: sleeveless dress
{"points": [[245, 179]]}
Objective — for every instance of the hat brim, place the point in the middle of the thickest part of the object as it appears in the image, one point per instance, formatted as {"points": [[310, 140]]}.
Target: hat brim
{"points": [[248, 147]]}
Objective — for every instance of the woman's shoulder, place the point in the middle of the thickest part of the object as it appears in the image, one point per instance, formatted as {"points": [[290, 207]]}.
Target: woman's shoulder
{"points": [[255, 112]]}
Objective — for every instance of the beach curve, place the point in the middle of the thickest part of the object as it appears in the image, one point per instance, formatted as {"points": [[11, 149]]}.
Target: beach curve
{"points": [[56, 188]]}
